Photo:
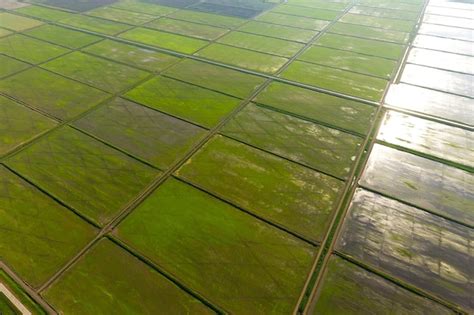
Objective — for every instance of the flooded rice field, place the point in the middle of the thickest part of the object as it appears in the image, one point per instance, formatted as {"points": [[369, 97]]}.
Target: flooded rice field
{"points": [[236, 156]]}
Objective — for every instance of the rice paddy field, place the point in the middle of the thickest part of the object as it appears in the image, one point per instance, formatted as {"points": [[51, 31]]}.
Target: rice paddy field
{"points": [[236, 157]]}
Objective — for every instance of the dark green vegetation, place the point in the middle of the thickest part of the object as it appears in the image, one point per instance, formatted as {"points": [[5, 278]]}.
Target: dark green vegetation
{"points": [[122, 283], [349, 289], [236, 156], [218, 250]]}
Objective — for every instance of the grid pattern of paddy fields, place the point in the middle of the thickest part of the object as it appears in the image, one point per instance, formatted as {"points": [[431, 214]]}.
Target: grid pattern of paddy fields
{"points": [[236, 156]]}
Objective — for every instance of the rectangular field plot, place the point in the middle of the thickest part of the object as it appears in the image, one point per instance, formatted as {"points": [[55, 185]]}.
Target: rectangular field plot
{"points": [[62, 36], [246, 59], [370, 10], [142, 131], [313, 13], [165, 40], [106, 75], [350, 83], [97, 25], [127, 285], [16, 22], [186, 101], [143, 7], [362, 45], [416, 246], [263, 44], [207, 18], [325, 149], [320, 4], [11, 66], [349, 289], [227, 81], [89, 176], [346, 60], [431, 185], [201, 31], [37, 225], [18, 124], [29, 49], [118, 15], [384, 23], [271, 187], [51, 93], [278, 31], [440, 80], [74, 5], [327, 109], [44, 13], [236, 260], [431, 102], [132, 55], [369, 32], [428, 137], [294, 21]]}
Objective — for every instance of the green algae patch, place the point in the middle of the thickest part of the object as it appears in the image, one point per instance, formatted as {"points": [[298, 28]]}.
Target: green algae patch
{"points": [[51, 93], [165, 40], [37, 225], [298, 198], [244, 58], [341, 81], [369, 32], [6, 306], [430, 185], [236, 260], [19, 124], [216, 78], [132, 55], [109, 278], [325, 149], [436, 139], [201, 31], [106, 75], [351, 61], [363, 46], [263, 44], [410, 244], [158, 138], [11, 66], [44, 13], [294, 21], [186, 101], [84, 173], [95, 24], [62, 36], [313, 13], [207, 18], [349, 289], [119, 15], [374, 21], [16, 22], [278, 31], [324, 108], [29, 49]]}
